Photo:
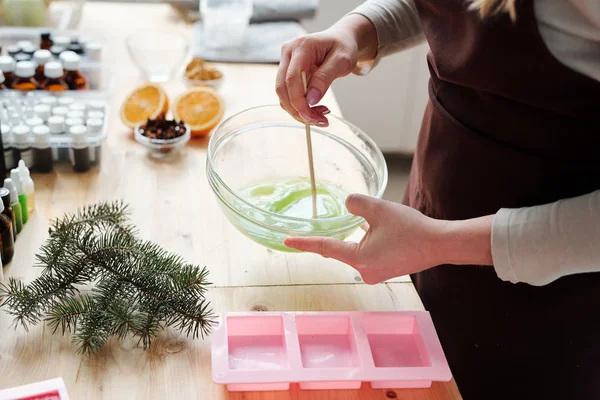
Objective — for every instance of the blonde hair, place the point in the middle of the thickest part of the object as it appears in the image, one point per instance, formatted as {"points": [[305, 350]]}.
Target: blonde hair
{"points": [[493, 7]]}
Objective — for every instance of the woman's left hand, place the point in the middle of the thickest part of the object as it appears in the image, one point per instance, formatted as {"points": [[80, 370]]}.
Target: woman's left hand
{"points": [[400, 241]]}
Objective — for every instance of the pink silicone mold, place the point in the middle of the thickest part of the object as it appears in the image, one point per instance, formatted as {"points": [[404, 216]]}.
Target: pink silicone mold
{"points": [[327, 350]]}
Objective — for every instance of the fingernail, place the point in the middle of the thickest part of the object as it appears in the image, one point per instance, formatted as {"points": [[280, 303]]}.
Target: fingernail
{"points": [[328, 111], [323, 124], [304, 116], [313, 96]]}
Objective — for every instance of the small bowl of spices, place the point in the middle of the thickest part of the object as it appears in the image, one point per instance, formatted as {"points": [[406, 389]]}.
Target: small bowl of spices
{"points": [[162, 137], [200, 73]]}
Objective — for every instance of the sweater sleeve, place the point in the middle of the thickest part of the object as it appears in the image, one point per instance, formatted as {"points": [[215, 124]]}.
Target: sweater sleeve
{"points": [[537, 245], [397, 24]]}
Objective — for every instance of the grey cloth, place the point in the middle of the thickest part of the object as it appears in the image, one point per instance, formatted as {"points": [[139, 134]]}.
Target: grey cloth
{"points": [[262, 43]]}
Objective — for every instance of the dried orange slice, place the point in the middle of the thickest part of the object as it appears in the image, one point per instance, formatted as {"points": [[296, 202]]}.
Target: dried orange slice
{"points": [[201, 108], [147, 101]]}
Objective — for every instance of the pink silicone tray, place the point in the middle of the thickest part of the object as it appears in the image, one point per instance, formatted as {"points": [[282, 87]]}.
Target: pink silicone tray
{"points": [[327, 350]]}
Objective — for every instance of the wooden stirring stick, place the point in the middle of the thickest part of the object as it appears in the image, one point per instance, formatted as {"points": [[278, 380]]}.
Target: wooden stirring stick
{"points": [[311, 165]]}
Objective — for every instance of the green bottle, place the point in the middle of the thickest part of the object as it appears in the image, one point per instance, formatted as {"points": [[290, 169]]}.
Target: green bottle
{"points": [[14, 203], [16, 177]]}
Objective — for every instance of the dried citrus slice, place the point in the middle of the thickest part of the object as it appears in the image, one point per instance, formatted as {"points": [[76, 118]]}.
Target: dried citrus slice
{"points": [[201, 108], [147, 101]]}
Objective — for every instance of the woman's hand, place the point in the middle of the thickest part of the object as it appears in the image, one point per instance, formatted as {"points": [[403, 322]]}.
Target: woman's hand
{"points": [[324, 57], [402, 241]]}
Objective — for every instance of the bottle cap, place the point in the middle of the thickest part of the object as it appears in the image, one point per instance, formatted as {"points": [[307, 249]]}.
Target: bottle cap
{"points": [[2, 79], [75, 115], [78, 135], [10, 185], [48, 100], [22, 57], [25, 69], [35, 121], [41, 57], [1, 206], [70, 122], [94, 125], [29, 49], [41, 138], [56, 123], [16, 178], [57, 50], [24, 43], [7, 64], [62, 111], [5, 194], [65, 101], [21, 134], [70, 60], [96, 105], [42, 111], [96, 115], [93, 51], [13, 49], [61, 41], [45, 35], [77, 107], [53, 70]]}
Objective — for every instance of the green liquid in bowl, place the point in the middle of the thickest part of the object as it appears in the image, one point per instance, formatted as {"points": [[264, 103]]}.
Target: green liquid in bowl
{"points": [[291, 198]]}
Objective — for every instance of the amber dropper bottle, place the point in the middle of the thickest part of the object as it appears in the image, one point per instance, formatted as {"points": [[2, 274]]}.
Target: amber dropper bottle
{"points": [[25, 80], [41, 57], [73, 77], [7, 66], [6, 234], [54, 78]]}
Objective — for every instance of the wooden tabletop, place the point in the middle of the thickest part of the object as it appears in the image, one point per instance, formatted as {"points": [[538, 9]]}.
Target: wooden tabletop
{"points": [[173, 205]]}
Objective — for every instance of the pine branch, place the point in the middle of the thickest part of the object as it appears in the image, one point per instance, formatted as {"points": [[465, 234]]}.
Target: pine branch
{"points": [[136, 287]]}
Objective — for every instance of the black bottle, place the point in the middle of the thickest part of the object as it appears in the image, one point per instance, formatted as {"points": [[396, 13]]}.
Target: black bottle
{"points": [[8, 210], [6, 233]]}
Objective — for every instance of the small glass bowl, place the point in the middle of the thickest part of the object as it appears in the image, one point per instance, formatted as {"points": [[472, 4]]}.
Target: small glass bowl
{"points": [[158, 55], [162, 148], [213, 83]]}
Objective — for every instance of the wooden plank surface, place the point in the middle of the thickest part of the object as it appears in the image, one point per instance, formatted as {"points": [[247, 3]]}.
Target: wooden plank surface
{"points": [[173, 205]]}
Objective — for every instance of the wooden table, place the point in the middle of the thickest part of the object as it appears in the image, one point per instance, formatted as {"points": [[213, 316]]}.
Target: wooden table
{"points": [[173, 205]]}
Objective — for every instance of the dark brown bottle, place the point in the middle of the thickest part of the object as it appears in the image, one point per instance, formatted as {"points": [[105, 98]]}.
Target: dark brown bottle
{"points": [[6, 234], [2, 79], [54, 81], [25, 80], [46, 41], [73, 77], [41, 58], [8, 210]]}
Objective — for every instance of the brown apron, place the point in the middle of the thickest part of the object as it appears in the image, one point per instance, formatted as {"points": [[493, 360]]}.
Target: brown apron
{"points": [[507, 125]]}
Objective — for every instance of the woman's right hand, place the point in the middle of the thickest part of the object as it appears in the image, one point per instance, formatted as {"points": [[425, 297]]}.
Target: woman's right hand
{"points": [[324, 57]]}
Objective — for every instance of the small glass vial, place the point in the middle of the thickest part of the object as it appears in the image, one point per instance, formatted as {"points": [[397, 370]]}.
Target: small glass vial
{"points": [[79, 151], [22, 144], [46, 41], [76, 115], [25, 81], [42, 153], [93, 52], [7, 141], [41, 58], [94, 128], [8, 210], [62, 41], [53, 81], [6, 234], [7, 66], [78, 107], [96, 115], [75, 46], [71, 122], [56, 124], [42, 111], [96, 105], [49, 101], [73, 77]]}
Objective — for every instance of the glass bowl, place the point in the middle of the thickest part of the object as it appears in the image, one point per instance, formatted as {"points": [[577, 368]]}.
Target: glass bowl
{"points": [[265, 144], [162, 148], [159, 56]]}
